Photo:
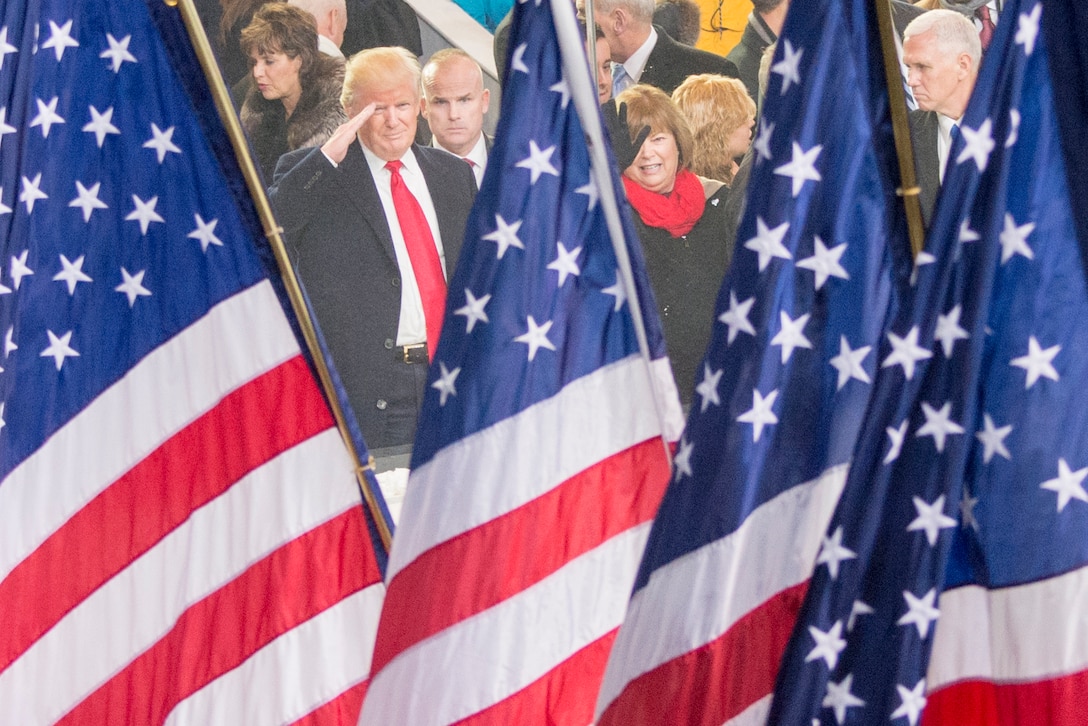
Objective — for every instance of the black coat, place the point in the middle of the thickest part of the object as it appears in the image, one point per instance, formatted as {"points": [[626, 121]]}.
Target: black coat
{"points": [[924, 130], [748, 53], [342, 249], [671, 62]]}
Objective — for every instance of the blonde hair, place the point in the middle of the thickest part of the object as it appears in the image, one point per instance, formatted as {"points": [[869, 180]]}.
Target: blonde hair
{"points": [[379, 68], [715, 106], [650, 106]]}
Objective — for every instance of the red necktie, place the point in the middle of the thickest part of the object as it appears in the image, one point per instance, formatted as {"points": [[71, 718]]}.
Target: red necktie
{"points": [[422, 252], [987, 33]]}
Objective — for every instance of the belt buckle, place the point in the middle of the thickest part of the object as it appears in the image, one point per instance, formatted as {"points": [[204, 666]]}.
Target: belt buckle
{"points": [[408, 350]]}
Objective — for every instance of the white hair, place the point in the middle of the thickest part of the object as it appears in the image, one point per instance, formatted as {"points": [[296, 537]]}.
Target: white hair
{"points": [[953, 31], [640, 9], [316, 7]]}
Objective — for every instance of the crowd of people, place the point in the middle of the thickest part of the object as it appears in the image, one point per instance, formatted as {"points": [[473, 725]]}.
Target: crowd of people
{"points": [[373, 162]]}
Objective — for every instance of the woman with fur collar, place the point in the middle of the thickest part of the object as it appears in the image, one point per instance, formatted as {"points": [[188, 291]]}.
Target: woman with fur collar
{"points": [[295, 98]]}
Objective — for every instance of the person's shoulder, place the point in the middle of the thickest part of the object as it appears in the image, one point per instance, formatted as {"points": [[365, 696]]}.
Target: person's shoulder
{"points": [[696, 59]]}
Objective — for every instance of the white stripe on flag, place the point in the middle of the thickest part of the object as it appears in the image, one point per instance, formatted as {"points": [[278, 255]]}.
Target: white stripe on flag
{"points": [[528, 455], [754, 715], [128, 614], [313, 663], [133, 417], [1012, 635], [469, 665], [697, 597]]}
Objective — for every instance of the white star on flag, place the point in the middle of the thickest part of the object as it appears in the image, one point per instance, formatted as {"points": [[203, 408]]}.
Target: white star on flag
{"points": [[978, 143], [828, 645], [1014, 239], [993, 439], [60, 38], [161, 141], [762, 144], [801, 167], [132, 286], [9, 341], [1027, 29], [5, 46], [59, 348], [563, 90], [896, 436], [4, 290], [591, 190], [1068, 484], [736, 317], [789, 67], [848, 363], [708, 388], [681, 463], [1038, 362], [3, 423], [617, 291], [938, 424], [47, 116], [536, 337], [768, 243], [101, 124], [948, 330], [791, 335], [87, 200], [5, 128], [825, 262], [858, 609], [19, 268], [473, 310], [505, 235], [72, 273], [538, 162], [967, 510], [118, 52], [832, 553], [931, 519], [760, 414], [923, 259], [565, 262], [31, 193], [205, 232], [913, 701], [839, 698], [4, 209], [1014, 128], [967, 234], [144, 213], [920, 611], [516, 60], [445, 383], [906, 352]]}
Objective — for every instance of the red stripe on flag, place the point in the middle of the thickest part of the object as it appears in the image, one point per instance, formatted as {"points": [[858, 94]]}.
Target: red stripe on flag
{"points": [[522, 547], [565, 693], [155, 496], [293, 584], [1052, 702], [340, 711], [717, 681]]}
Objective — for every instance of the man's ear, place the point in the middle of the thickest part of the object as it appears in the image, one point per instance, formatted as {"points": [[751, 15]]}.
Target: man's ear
{"points": [[486, 95], [423, 106], [964, 62]]}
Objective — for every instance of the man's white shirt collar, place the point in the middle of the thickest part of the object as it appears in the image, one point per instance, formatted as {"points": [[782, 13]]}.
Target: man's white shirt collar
{"points": [[478, 155], [637, 62]]}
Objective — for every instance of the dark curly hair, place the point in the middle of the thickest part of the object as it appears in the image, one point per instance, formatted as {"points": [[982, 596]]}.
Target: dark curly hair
{"points": [[282, 28]]}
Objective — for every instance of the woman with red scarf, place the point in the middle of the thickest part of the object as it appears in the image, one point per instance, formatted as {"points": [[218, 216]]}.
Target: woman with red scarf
{"points": [[680, 220]]}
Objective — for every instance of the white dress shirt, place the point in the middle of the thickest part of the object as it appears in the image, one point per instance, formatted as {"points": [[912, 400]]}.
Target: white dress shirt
{"points": [[944, 142], [636, 63], [477, 155]]}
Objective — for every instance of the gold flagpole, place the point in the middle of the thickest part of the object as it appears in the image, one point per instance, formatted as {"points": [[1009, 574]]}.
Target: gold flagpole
{"points": [[253, 181], [904, 150]]}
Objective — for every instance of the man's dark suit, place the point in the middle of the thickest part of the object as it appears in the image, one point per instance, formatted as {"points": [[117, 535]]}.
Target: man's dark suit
{"points": [[924, 131], [671, 62], [748, 53], [342, 248]]}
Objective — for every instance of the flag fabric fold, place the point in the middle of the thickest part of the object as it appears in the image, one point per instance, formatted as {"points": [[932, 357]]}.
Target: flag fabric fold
{"points": [[959, 590], [541, 452], [821, 257], [181, 534]]}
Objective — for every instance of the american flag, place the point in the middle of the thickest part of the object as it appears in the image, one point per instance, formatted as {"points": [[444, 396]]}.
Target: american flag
{"points": [[181, 536], [540, 457], [962, 574], [821, 257]]}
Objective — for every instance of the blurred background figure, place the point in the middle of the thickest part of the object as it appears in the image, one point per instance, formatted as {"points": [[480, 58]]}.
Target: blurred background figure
{"points": [[604, 68], [679, 218], [983, 14], [236, 14], [380, 23], [331, 17], [488, 13], [681, 19], [721, 115], [294, 101], [454, 103], [764, 25]]}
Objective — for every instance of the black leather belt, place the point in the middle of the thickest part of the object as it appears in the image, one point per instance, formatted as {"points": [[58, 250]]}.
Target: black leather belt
{"points": [[412, 353]]}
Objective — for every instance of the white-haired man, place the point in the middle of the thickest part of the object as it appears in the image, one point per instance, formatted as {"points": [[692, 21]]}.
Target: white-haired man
{"points": [[332, 19], [454, 104], [941, 51]]}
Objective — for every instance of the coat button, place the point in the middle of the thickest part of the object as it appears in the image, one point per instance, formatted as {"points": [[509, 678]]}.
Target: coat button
{"points": [[389, 344], [395, 282], [381, 404]]}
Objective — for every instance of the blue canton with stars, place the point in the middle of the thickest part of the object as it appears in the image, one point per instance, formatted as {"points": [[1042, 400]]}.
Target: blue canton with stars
{"points": [[971, 466], [117, 228], [789, 370], [535, 301]]}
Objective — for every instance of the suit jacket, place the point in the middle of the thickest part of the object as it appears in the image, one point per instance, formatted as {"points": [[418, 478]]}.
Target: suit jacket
{"points": [[671, 62], [747, 54], [924, 130], [342, 249]]}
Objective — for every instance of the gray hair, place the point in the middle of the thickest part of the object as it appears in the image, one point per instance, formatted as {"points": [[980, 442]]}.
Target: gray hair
{"points": [[639, 9], [953, 31]]}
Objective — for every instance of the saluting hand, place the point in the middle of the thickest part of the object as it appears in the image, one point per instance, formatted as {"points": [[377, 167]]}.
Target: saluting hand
{"points": [[336, 148]]}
